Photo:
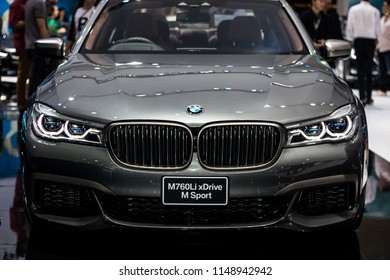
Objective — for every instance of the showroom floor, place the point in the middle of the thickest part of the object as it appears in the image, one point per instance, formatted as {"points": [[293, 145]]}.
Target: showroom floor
{"points": [[370, 241]]}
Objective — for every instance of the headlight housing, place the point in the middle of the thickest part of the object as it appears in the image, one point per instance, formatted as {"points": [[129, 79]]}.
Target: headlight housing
{"points": [[339, 126], [48, 123]]}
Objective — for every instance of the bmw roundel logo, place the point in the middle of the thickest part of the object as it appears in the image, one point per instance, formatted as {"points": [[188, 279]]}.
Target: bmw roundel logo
{"points": [[194, 109]]}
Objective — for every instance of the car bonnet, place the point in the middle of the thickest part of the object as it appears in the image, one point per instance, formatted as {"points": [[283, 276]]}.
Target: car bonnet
{"points": [[279, 88]]}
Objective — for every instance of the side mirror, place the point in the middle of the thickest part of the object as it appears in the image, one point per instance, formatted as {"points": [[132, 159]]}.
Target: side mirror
{"points": [[337, 49], [50, 47]]}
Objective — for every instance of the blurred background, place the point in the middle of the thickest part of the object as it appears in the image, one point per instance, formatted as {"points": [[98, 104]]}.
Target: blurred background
{"points": [[69, 6]]}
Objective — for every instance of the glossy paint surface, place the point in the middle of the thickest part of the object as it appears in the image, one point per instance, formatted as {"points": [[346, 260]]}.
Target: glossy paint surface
{"points": [[17, 241]]}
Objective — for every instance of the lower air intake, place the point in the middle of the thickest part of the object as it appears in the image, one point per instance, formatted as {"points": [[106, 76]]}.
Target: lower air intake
{"points": [[63, 199], [327, 199]]}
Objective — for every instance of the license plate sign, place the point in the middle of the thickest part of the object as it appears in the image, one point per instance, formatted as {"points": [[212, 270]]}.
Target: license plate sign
{"points": [[195, 190]]}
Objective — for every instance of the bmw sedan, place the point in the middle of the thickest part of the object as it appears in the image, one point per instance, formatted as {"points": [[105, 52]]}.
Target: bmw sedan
{"points": [[216, 114]]}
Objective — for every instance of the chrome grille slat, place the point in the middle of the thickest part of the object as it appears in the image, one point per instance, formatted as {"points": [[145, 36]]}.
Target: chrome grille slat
{"points": [[238, 145], [230, 146], [142, 136], [247, 147], [262, 154], [160, 151]]}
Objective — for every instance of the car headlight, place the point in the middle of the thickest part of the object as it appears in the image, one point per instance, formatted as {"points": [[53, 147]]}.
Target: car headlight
{"points": [[48, 123], [339, 126]]}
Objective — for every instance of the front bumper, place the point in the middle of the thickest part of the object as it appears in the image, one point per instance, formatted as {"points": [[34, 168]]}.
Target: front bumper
{"points": [[307, 188]]}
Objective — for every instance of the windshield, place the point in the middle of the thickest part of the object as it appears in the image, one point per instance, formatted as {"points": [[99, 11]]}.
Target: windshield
{"points": [[191, 26]]}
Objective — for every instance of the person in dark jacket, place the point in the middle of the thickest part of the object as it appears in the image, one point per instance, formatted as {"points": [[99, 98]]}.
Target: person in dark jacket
{"points": [[315, 22], [333, 20]]}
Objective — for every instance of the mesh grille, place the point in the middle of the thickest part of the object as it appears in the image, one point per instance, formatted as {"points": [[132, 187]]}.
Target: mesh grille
{"points": [[327, 199], [238, 145], [151, 145], [152, 211], [63, 199]]}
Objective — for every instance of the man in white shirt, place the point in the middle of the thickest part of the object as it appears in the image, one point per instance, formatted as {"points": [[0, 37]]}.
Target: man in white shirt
{"points": [[384, 48], [362, 31]]}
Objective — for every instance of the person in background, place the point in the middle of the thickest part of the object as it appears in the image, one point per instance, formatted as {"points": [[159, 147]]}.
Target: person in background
{"points": [[54, 26], [17, 24], [83, 12], [333, 30], [333, 20], [315, 22], [35, 28], [62, 17], [384, 48], [362, 30]]}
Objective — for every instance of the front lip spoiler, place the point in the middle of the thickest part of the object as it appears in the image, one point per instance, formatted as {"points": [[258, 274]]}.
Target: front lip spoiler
{"points": [[290, 220]]}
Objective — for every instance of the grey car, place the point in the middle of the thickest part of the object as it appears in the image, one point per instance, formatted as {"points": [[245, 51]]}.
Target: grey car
{"points": [[193, 114]]}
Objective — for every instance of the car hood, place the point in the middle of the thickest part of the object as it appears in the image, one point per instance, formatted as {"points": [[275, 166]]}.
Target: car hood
{"points": [[279, 88]]}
